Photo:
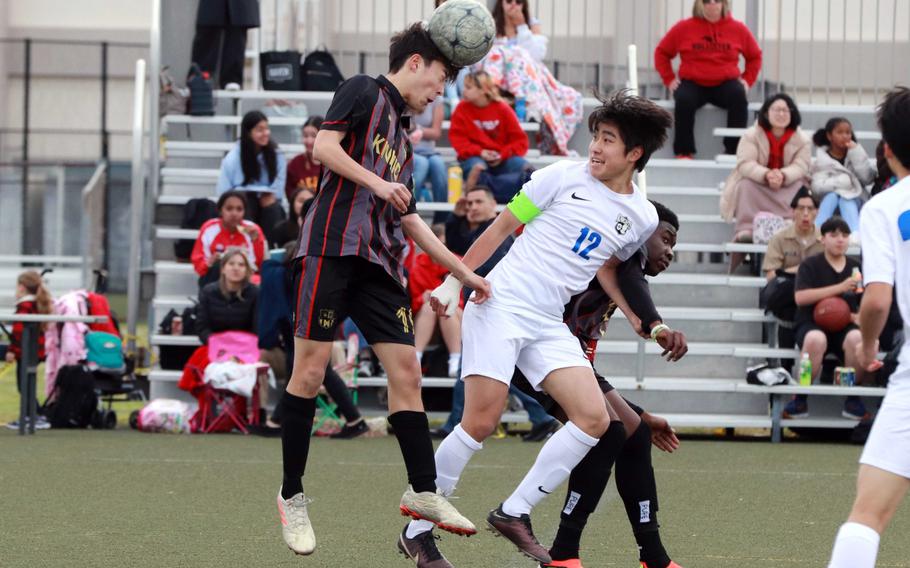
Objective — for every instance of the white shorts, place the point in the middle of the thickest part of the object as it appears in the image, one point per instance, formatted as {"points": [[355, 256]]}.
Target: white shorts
{"points": [[888, 446], [495, 341]]}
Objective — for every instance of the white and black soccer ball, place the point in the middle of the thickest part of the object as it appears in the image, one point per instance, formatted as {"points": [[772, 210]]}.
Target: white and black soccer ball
{"points": [[463, 30]]}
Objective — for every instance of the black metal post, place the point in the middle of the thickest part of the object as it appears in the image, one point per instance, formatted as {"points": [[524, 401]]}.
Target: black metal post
{"points": [[30, 359], [27, 83], [105, 136], [26, 365], [363, 62]]}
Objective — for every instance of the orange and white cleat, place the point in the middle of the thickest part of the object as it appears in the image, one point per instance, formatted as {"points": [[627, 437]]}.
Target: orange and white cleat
{"points": [[295, 524]]}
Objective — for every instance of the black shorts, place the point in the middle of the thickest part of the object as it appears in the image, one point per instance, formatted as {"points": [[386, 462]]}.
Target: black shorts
{"points": [[835, 339], [545, 400], [329, 289]]}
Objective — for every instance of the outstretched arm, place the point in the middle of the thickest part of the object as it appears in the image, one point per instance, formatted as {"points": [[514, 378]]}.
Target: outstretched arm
{"points": [[444, 298], [415, 228], [609, 281]]}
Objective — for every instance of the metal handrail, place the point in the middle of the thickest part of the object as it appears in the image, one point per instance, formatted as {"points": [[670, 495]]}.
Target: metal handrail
{"points": [[97, 181], [136, 209]]}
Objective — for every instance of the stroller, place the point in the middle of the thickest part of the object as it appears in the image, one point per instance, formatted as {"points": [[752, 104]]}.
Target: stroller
{"points": [[97, 346]]}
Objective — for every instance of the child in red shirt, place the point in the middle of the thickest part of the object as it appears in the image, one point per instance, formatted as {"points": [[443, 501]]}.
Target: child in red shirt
{"points": [[485, 130], [423, 277]]}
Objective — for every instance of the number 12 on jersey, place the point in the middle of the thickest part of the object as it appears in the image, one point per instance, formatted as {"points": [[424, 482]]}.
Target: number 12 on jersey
{"points": [[593, 239]]}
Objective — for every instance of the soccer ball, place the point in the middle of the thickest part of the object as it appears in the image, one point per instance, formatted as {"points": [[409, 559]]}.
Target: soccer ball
{"points": [[463, 30]]}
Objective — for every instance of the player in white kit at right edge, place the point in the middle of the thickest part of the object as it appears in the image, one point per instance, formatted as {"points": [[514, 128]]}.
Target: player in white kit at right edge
{"points": [[582, 219], [884, 471]]}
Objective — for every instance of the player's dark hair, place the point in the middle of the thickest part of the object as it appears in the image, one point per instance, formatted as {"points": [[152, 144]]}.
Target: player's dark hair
{"points": [[894, 121], [664, 215], [820, 138], [484, 189], [641, 122], [499, 16], [835, 224], [803, 193], [416, 39], [795, 118], [248, 150], [229, 194]]}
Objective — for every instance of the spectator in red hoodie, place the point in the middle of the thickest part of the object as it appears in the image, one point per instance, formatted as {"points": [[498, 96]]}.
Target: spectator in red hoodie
{"points": [[424, 276], [227, 230], [485, 131], [303, 170], [709, 45]]}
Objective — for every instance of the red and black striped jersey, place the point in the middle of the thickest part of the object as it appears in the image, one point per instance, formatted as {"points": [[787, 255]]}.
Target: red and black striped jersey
{"points": [[347, 219]]}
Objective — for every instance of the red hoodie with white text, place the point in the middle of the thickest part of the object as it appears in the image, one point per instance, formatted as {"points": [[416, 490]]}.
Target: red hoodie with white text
{"points": [[709, 53]]}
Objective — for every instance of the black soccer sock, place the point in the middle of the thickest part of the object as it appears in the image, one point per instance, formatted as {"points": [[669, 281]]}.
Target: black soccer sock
{"points": [[338, 390], [638, 490], [586, 485], [413, 432], [296, 423]]}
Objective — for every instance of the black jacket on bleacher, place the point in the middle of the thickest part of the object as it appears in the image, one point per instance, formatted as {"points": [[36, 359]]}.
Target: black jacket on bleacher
{"points": [[216, 312]]}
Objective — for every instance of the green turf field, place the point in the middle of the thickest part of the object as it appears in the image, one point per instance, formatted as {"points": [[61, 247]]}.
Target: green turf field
{"points": [[122, 498]]}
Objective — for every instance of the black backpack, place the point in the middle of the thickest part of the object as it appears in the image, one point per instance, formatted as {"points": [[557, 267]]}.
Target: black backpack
{"points": [[202, 94], [319, 72], [196, 212], [76, 402]]}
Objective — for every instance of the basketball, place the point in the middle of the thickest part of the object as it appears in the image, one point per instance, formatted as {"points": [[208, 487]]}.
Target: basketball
{"points": [[463, 30], [832, 314]]}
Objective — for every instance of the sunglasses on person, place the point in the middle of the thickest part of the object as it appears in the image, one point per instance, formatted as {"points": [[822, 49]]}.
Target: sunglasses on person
{"points": [[519, 2]]}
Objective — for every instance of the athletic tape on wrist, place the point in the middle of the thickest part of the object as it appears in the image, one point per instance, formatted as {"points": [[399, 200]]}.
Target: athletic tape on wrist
{"points": [[655, 331], [447, 293]]}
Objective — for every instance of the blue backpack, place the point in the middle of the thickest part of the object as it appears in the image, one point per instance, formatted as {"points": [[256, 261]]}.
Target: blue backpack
{"points": [[104, 350]]}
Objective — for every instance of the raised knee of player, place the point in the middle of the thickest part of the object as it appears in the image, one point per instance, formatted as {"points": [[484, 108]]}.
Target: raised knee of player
{"points": [[480, 426], [592, 420]]}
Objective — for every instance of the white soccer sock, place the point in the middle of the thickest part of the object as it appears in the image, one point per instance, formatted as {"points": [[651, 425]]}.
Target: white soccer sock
{"points": [[555, 462], [452, 456], [856, 546], [454, 362]]}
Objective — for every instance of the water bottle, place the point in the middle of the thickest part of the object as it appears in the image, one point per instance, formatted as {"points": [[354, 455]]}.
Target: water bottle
{"points": [[521, 109], [858, 276], [455, 179], [805, 371]]}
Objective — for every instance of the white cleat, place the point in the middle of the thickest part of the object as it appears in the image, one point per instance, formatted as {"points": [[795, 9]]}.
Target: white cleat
{"points": [[295, 524], [435, 508]]}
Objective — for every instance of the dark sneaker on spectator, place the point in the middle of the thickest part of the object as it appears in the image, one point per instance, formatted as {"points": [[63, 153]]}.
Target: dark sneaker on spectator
{"points": [[519, 532], [541, 432], [854, 409], [422, 550], [439, 433], [352, 430], [797, 408]]}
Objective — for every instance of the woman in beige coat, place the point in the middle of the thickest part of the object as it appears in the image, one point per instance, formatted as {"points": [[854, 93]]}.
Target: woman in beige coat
{"points": [[772, 162]]}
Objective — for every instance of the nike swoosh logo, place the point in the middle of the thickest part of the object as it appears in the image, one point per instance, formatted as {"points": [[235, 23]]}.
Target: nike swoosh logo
{"points": [[540, 487], [579, 198]]}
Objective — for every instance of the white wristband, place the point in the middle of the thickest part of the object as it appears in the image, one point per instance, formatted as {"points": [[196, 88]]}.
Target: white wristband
{"points": [[447, 294], [655, 331]]}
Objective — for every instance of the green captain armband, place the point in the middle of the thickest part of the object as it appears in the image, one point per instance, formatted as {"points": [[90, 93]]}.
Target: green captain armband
{"points": [[523, 208]]}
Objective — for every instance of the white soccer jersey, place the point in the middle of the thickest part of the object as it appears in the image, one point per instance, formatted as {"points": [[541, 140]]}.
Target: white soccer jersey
{"points": [[574, 223], [885, 231]]}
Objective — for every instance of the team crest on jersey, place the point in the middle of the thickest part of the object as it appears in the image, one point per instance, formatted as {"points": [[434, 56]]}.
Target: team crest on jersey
{"points": [[326, 318], [622, 224]]}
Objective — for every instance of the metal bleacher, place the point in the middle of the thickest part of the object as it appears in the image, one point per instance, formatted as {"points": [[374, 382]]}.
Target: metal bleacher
{"points": [[719, 313]]}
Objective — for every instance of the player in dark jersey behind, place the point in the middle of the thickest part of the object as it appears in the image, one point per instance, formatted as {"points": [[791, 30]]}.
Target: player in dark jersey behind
{"points": [[587, 315], [350, 265]]}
